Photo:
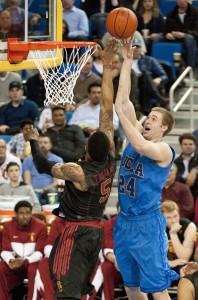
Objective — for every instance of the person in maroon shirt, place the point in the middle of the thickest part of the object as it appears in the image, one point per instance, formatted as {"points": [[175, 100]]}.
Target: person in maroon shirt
{"points": [[180, 193], [23, 240]]}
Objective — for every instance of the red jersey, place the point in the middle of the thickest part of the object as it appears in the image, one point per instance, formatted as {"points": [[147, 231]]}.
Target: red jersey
{"points": [[26, 242]]}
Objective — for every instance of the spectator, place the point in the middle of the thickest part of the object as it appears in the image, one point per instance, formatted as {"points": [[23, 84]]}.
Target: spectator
{"points": [[77, 21], [150, 22], [182, 26], [16, 187], [41, 183], [187, 162], [17, 145], [35, 90], [65, 30], [23, 241], [5, 158], [151, 78], [68, 140], [13, 113], [5, 79], [45, 119], [86, 78], [7, 30], [181, 235], [179, 193], [87, 115]]}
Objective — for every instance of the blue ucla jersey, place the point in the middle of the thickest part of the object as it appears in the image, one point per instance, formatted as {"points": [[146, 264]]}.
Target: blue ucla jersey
{"points": [[141, 182]]}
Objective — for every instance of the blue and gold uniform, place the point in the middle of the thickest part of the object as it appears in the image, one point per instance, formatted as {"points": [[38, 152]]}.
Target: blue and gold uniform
{"points": [[140, 237]]}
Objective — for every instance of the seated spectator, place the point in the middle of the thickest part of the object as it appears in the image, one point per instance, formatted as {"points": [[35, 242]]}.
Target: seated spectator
{"points": [[23, 240], [87, 115], [86, 78], [42, 183], [5, 158], [181, 26], [16, 187], [97, 62], [68, 140], [179, 193], [45, 119], [43, 283], [35, 90], [7, 30], [5, 79], [17, 145], [77, 21], [150, 22], [151, 79], [181, 235], [187, 162], [13, 113]]}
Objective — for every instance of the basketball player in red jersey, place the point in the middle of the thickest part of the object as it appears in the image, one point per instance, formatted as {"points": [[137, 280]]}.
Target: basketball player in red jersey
{"points": [[87, 187]]}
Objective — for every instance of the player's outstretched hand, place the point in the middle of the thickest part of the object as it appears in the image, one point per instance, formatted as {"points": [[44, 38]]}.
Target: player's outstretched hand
{"points": [[107, 54], [127, 48], [31, 134]]}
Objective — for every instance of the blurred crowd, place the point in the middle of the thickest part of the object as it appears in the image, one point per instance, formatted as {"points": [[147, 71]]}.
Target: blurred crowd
{"points": [[64, 130]]}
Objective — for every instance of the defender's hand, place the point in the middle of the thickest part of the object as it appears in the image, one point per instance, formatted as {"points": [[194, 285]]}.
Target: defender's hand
{"points": [[31, 134]]}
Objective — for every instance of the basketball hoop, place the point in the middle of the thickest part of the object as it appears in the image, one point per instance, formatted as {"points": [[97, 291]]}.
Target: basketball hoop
{"points": [[59, 76]]}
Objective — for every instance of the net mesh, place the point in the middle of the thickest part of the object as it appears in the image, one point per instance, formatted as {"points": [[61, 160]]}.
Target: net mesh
{"points": [[60, 79]]}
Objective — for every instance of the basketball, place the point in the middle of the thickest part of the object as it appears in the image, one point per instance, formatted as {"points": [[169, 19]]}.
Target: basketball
{"points": [[121, 23]]}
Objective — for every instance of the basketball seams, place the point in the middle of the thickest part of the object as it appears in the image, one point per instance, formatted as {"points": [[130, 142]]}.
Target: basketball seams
{"points": [[121, 23]]}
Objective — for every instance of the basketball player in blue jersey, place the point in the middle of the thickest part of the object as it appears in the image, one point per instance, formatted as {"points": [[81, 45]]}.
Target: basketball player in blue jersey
{"points": [[140, 230], [87, 187]]}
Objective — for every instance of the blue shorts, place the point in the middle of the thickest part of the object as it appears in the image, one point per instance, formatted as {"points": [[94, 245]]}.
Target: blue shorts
{"points": [[141, 246]]}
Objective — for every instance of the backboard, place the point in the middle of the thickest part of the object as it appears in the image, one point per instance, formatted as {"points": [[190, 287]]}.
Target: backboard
{"points": [[29, 20]]}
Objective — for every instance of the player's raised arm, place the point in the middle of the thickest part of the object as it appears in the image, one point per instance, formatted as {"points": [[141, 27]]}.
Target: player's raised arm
{"points": [[68, 171], [123, 103], [106, 100]]}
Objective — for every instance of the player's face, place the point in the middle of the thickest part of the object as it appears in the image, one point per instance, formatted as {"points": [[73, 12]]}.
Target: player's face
{"points": [[171, 217], [153, 128], [188, 146], [23, 216], [14, 173]]}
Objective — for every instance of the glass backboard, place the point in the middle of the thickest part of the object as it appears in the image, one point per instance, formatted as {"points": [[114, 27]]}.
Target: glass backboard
{"points": [[28, 20]]}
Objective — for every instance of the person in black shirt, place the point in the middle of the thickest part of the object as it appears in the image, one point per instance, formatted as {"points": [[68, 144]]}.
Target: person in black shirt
{"points": [[87, 187]]}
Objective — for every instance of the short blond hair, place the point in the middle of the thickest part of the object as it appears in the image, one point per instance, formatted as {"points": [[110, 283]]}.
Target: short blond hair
{"points": [[169, 206], [167, 118]]}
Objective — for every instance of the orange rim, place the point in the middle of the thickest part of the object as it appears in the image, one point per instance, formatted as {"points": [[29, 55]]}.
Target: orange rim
{"points": [[18, 51]]}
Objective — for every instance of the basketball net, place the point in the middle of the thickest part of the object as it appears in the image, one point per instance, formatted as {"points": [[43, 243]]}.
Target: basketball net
{"points": [[60, 79]]}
